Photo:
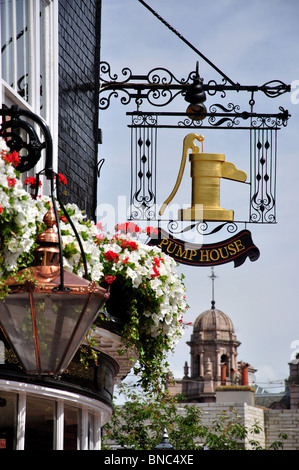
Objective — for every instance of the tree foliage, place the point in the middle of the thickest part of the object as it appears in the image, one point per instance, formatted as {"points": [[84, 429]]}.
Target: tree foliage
{"points": [[139, 424]]}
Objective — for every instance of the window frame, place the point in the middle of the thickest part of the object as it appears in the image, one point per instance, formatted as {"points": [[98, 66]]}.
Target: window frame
{"points": [[42, 43]]}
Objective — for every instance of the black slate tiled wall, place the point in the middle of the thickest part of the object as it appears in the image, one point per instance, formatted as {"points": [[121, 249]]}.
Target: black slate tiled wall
{"points": [[79, 50]]}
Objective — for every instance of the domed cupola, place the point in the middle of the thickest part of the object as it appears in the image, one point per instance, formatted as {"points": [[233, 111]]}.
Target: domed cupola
{"points": [[214, 324]]}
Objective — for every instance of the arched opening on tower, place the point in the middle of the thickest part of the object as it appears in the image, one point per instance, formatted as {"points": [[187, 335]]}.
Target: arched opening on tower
{"points": [[225, 360]]}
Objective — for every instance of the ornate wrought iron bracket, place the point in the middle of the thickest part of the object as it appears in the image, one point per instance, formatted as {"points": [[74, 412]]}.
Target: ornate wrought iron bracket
{"points": [[231, 119], [160, 87]]}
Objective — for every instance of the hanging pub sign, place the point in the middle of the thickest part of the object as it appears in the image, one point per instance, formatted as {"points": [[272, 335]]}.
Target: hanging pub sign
{"points": [[235, 249]]}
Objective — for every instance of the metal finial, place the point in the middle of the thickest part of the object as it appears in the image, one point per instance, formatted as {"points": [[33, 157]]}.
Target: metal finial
{"points": [[165, 444], [213, 277]]}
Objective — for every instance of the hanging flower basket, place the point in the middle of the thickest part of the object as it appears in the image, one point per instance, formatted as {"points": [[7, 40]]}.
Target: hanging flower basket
{"points": [[147, 297]]}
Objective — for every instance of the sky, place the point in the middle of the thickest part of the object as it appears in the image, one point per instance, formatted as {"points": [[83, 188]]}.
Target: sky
{"points": [[252, 42]]}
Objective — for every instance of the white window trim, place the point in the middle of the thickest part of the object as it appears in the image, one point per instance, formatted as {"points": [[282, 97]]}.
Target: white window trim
{"points": [[9, 95], [86, 405]]}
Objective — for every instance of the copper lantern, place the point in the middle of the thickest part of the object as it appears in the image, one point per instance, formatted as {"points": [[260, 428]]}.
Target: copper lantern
{"points": [[44, 319]]}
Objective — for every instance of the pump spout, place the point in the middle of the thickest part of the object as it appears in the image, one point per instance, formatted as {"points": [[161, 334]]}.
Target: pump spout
{"points": [[187, 144]]}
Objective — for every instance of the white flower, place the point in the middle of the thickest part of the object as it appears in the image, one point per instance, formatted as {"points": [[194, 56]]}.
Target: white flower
{"points": [[3, 146]]}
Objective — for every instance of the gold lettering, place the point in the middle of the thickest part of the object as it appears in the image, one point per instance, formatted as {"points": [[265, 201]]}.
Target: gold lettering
{"points": [[192, 253], [170, 243], [163, 242], [239, 245], [221, 254], [217, 255], [204, 253], [232, 249], [181, 253]]}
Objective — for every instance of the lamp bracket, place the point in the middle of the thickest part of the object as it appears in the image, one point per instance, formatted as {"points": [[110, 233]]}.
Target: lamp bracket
{"points": [[23, 131]]}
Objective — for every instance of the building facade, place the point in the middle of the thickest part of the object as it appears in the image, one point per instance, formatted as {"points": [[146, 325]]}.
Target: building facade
{"points": [[78, 72]]}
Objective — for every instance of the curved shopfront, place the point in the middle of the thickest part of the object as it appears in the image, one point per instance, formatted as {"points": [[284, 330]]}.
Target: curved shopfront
{"points": [[65, 413]]}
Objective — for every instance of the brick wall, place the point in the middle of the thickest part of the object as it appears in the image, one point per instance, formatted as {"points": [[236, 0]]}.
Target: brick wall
{"points": [[248, 415], [79, 41], [282, 421], [272, 422]]}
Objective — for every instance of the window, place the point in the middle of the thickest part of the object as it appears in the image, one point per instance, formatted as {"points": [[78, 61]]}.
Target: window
{"points": [[8, 410], [39, 431], [38, 418], [15, 45], [29, 58], [70, 428]]}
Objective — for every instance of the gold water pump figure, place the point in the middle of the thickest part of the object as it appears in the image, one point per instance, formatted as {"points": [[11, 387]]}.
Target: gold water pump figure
{"points": [[206, 171]]}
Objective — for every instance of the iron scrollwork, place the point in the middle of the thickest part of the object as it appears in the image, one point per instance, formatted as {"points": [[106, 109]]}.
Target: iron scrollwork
{"points": [[143, 169], [19, 130], [201, 227], [263, 175], [159, 87]]}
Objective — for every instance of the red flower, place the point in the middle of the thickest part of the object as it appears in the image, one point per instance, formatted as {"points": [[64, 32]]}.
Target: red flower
{"points": [[129, 244], [62, 178], [99, 237], [1, 209], [12, 158], [32, 181], [181, 321], [133, 245], [127, 227], [11, 182], [126, 260], [151, 231], [157, 261], [111, 256], [156, 272], [110, 279]]}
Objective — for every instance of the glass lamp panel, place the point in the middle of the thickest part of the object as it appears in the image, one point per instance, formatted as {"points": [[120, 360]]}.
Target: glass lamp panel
{"points": [[62, 319], [60, 322], [75, 315], [15, 320]]}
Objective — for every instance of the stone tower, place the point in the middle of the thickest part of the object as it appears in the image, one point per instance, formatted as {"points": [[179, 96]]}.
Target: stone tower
{"points": [[213, 350]]}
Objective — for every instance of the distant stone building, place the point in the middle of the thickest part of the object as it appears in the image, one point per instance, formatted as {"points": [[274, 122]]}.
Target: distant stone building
{"points": [[213, 350], [293, 383]]}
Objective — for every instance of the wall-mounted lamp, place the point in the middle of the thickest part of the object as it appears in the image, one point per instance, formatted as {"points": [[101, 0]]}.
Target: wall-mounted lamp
{"points": [[48, 310]]}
